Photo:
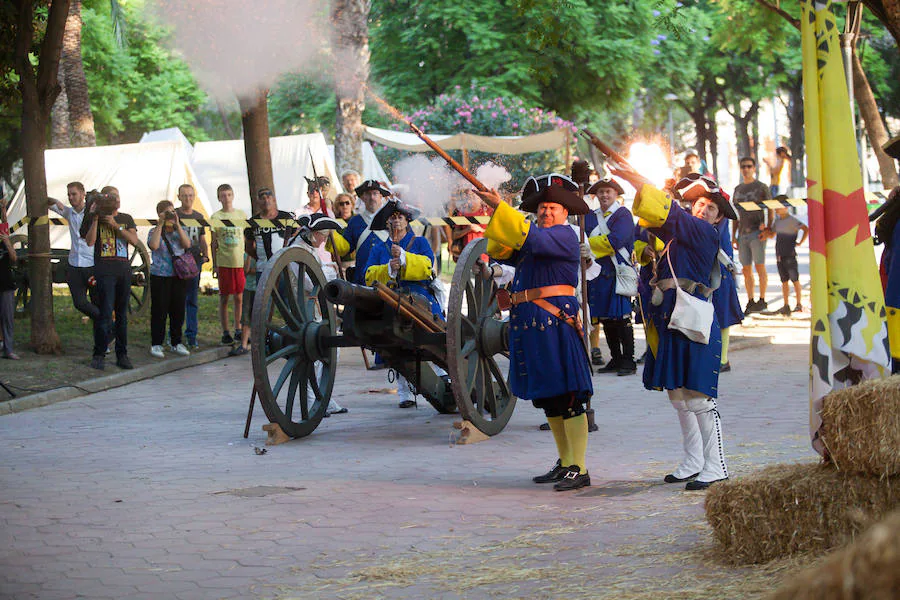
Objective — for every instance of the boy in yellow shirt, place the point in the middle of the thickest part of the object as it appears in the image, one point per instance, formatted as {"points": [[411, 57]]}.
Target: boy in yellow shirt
{"points": [[228, 259]]}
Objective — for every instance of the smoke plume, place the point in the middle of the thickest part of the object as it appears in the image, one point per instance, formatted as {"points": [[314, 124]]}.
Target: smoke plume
{"points": [[428, 183]]}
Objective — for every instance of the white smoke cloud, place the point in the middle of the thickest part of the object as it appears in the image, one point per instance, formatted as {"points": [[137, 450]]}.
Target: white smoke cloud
{"points": [[492, 175], [238, 47], [427, 183]]}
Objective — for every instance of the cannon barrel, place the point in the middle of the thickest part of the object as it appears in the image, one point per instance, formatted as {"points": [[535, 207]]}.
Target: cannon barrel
{"points": [[366, 299]]}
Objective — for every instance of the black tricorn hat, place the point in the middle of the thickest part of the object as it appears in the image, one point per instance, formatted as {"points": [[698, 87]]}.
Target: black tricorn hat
{"points": [[379, 221], [555, 188], [696, 186], [607, 183], [369, 185], [318, 183], [892, 147]]}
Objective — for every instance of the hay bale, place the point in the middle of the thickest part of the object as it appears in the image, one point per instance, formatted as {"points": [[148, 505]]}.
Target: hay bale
{"points": [[787, 509], [861, 427], [865, 569]]}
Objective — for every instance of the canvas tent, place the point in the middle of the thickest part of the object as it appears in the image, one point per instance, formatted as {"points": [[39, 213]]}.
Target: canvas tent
{"points": [[225, 162], [512, 144], [144, 173], [372, 168], [172, 134]]}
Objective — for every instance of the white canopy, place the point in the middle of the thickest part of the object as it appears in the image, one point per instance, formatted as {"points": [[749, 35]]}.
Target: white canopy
{"points": [[225, 162], [512, 144], [144, 174], [372, 168], [172, 134]]}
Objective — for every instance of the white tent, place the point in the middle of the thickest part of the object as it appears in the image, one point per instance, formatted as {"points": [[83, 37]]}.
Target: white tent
{"points": [[144, 174], [225, 162], [172, 134], [508, 144], [372, 168]]}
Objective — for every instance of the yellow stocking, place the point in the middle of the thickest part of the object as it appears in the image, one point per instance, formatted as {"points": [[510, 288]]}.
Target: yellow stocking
{"points": [[726, 335], [557, 426], [577, 434]]}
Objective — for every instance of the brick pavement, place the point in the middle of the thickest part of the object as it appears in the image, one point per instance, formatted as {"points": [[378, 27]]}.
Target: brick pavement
{"points": [[149, 491]]}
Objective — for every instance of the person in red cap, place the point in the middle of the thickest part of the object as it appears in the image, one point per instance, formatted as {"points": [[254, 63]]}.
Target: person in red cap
{"points": [[548, 362]]}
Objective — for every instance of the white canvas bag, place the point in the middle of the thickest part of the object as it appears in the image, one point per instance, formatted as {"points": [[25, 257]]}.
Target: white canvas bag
{"points": [[691, 316]]}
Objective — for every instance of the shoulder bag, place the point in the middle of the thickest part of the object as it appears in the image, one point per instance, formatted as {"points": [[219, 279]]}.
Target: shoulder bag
{"points": [[691, 316], [184, 265], [626, 274]]}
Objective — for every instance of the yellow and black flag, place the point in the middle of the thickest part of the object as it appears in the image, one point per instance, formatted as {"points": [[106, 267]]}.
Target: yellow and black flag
{"points": [[849, 339]]}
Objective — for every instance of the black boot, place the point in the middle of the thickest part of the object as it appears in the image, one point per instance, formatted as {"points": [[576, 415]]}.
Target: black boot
{"points": [[611, 331], [627, 365]]}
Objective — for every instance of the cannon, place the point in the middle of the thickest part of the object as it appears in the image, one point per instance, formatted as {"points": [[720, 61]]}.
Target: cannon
{"points": [[295, 339]]}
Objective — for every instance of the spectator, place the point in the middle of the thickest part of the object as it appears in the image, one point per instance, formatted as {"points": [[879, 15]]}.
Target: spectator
{"points": [[199, 249], [80, 265], [749, 237], [262, 242], [316, 189], [228, 261], [461, 235], [786, 228], [166, 241], [110, 232], [776, 169], [343, 206], [350, 179], [7, 285]]}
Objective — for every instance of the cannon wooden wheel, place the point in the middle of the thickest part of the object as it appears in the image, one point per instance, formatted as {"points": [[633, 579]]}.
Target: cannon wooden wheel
{"points": [[475, 337], [140, 279], [293, 369]]}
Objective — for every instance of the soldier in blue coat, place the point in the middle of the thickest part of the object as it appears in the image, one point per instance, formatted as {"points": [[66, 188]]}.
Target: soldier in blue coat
{"points": [[610, 232], [548, 362], [687, 369], [358, 235]]}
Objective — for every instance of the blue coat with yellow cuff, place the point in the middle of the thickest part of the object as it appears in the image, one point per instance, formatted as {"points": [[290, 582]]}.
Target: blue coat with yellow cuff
{"points": [[892, 294], [642, 239], [345, 242], [605, 303], [547, 357], [725, 298], [674, 361], [415, 276]]}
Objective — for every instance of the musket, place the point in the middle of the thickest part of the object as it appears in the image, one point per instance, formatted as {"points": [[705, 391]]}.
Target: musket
{"points": [[606, 150], [334, 254], [431, 144]]}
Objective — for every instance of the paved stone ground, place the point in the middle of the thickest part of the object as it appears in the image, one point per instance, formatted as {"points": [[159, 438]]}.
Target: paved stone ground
{"points": [[149, 491]]}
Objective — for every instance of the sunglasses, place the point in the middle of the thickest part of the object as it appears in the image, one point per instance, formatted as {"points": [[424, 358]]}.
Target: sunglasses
{"points": [[746, 166], [342, 204]]}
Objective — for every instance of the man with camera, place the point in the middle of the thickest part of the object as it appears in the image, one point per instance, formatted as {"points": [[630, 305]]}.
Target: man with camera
{"points": [[186, 195], [110, 233], [80, 267]]}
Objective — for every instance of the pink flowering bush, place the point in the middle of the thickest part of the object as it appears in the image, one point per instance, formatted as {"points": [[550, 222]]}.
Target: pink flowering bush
{"points": [[473, 111]]}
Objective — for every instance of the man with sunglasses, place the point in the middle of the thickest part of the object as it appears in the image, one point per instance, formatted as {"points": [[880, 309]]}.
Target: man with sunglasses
{"points": [[686, 367], [748, 237]]}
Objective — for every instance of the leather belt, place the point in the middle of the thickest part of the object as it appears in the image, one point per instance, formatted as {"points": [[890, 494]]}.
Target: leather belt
{"points": [[548, 291]]}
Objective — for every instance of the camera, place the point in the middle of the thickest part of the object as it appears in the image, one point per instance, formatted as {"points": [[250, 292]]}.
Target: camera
{"points": [[105, 203], [170, 215]]}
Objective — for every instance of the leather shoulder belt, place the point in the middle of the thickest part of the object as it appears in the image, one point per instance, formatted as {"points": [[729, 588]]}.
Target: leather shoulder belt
{"points": [[536, 296]]}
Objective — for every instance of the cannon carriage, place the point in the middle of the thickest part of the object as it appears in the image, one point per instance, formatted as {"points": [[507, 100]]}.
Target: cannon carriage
{"points": [[296, 336]]}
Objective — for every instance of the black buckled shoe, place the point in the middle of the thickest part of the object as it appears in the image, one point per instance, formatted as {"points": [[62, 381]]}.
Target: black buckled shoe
{"points": [[596, 357], [611, 367], [406, 404], [672, 479], [572, 480], [694, 486], [627, 367], [555, 474]]}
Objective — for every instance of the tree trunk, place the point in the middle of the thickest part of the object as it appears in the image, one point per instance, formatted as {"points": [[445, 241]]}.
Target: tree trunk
{"points": [[60, 134], [754, 132], [698, 116], [38, 95], [888, 12], [741, 131], [875, 129], [351, 49], [795, 124], [255, 121], [714, 146], [80, 116]]}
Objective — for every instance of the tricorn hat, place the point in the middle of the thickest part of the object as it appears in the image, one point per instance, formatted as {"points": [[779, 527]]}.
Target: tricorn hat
{"points": [[608, 182], [892, 147], [555, 188], [318, 222], [696, 186], [369, 185], [380, 220]]}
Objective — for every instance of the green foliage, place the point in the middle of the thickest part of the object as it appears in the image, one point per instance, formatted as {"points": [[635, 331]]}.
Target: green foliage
{"points": [[140, 87], [302, 104], [564, 56], [474, 110]]}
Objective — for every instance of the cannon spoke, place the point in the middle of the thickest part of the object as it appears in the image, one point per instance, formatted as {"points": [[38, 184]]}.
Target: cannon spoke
{"points": [[468, 348], [285, 311], [314, 382], [304, 396], [282, 377], [291, 295], [291, 394]]}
